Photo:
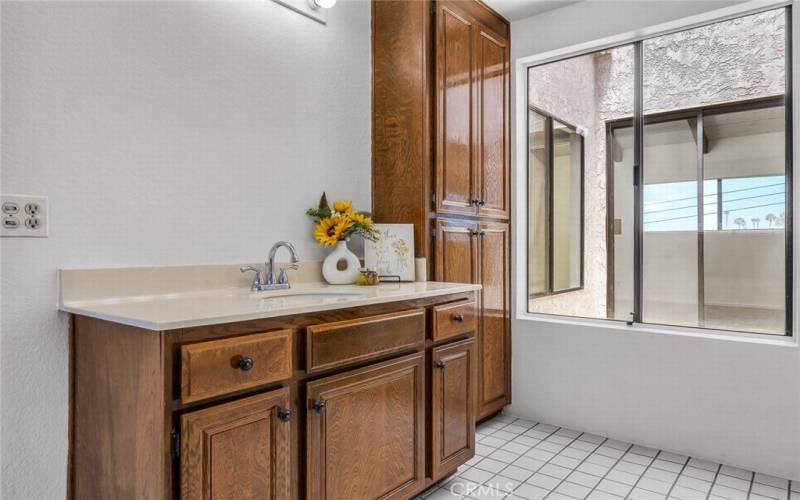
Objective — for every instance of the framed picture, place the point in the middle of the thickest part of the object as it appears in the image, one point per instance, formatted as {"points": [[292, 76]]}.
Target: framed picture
{"points": [[393, 253]]}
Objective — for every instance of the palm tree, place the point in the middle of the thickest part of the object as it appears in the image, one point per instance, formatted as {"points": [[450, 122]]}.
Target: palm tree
{"points": [[781, 220], [740, 222], [771, 218], [755, 220]]}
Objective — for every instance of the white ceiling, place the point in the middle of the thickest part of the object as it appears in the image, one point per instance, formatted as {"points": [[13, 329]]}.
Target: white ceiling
{"points": [[514, 10]]}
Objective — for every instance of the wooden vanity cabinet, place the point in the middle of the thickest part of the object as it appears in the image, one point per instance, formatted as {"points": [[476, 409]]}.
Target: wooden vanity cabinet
{"points": [[479, 252], [238, 450], [366, 432], [472, 161], [441, 156], [319, 411], [453, 373]]}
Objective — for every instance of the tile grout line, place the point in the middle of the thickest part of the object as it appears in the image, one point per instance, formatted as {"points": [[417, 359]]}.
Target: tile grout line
{"points": [[680, 473], [576, 467], [571, 469], [719, 468], [653, 459], [545, 461], [526, 451], [618, 460]]}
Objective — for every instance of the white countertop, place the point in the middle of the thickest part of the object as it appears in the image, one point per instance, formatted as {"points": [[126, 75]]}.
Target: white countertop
{"points": [[208, 307]]}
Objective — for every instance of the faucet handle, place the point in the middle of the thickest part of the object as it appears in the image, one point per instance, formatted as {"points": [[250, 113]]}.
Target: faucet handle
{"points": [[257, 279], [283, 278]]}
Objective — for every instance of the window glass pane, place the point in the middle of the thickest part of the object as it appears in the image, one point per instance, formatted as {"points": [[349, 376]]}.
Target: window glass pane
{"points": [[538, 263], [587, 93], [669, 239], [567, 213], [714, 167], [621, 270], [744, 264]]}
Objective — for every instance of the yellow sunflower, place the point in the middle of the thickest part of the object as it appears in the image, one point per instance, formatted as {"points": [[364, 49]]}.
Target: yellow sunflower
{"points": [[342, 206], [331, 229], [361, 219], [323, 232], [343, 224]]}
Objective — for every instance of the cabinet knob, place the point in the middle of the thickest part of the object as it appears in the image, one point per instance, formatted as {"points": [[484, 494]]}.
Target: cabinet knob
{"points": [[481, 203], [440, 364], [285, 414], [474, 201], [481, 233], [245, 363], [318, 406], [458, 318]]}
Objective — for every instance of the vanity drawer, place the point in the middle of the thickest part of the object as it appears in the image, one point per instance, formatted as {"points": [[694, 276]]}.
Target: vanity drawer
{"points": [[221, 366], [454, 319], [343, 342]]}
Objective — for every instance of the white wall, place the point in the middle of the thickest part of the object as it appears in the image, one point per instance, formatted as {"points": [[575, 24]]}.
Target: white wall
{"points": [[163, 133], [732, 400]]}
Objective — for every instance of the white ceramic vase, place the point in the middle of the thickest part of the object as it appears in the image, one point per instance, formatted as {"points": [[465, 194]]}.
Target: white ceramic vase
{"points": [[341, 267]]}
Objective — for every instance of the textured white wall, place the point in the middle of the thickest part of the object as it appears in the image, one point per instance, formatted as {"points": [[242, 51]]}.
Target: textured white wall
{"points": [[163, 133], [729, 400]]}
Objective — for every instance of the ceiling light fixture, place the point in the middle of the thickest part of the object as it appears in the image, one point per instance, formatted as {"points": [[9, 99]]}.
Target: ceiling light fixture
{"points": [[325, 4]]}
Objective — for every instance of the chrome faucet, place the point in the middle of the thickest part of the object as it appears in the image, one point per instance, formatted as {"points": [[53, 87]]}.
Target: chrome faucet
{"points": [[282, 278], [267, 281]]}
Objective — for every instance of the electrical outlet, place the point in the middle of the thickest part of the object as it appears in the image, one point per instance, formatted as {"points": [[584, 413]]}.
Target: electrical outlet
{"points": [[23, 216]]}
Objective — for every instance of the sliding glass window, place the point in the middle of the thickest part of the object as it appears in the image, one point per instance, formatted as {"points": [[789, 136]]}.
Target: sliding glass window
{"points": [[687, 221]]}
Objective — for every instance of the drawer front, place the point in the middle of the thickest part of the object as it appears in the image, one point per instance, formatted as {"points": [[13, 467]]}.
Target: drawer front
{"points": [[454, 319], [336, 344], [221, 366]]}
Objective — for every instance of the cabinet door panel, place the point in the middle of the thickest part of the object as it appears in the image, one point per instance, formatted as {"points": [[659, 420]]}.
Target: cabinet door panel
{"points": [[454, 127], [494, 335], [368, 441], [492, 142], [456, 251], [237, 450], [452, 406]]}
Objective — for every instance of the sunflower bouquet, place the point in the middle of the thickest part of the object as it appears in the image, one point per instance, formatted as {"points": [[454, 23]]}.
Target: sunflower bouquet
{"points": [[340, 222]]}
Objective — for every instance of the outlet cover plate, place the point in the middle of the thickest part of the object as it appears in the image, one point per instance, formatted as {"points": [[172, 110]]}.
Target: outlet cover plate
{"points": [[24, 216]]}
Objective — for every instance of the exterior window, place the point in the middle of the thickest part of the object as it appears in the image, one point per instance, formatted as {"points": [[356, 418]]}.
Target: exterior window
{"points": [[556, 211], [685, 180]]}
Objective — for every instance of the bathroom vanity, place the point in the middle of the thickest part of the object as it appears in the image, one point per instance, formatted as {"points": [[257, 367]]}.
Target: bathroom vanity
{"points": [[316, 392]]}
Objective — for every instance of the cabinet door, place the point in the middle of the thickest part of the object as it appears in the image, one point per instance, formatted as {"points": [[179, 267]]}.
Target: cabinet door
{"points": [[366, 432], [238, 450], [492, 145], [452, 406], [456, 251], [455, 93], [494, 332]]}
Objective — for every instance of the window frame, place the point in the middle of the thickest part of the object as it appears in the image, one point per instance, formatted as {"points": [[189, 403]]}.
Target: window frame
{"points": [[636, 39], [548, 182]]}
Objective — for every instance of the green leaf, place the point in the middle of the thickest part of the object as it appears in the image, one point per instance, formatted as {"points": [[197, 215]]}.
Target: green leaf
{"points": [[323, 203]]}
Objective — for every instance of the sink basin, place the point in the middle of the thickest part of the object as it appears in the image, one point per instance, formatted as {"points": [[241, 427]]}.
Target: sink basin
{"points": [[299, 298]]}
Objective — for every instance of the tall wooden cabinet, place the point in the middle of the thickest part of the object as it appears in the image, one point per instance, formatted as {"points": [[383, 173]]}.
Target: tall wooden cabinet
{"points": [[441, 156]]}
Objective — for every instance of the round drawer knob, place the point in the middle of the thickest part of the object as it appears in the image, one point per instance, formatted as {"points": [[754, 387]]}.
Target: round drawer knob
{"points": [[245, 363], [458, 318]]}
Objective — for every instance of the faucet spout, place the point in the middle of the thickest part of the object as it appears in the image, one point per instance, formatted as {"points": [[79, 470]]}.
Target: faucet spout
{"points": [[271, 259]]}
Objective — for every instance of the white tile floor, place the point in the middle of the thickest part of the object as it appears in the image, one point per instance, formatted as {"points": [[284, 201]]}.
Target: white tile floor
{"points": [[519, 459]]}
